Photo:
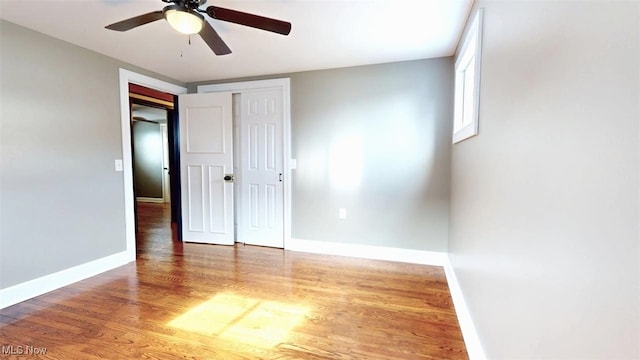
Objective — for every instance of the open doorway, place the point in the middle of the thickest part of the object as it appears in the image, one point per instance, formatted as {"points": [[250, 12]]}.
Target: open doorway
{"points": [[126, 78], [153, 156]]}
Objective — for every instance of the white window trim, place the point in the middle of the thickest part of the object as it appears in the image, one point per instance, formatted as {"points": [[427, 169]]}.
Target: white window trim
{"points": [[470, 51]]}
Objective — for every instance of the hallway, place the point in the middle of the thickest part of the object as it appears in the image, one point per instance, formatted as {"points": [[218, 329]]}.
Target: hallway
{"points": [[155, 232]]}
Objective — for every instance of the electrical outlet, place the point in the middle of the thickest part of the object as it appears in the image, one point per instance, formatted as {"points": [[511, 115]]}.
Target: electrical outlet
{"points": [[342, 213]]}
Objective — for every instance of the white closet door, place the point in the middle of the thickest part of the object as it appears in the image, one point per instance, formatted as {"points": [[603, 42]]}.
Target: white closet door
{"points": [[206, 158]]}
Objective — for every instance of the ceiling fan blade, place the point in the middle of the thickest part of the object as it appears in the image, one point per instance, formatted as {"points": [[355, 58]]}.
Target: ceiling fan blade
{"points": [[136, 21], [215, 42], [254, 21]]}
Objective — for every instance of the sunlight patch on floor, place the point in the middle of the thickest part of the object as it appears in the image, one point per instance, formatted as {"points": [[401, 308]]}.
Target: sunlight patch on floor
{"points": [[252, 321]]}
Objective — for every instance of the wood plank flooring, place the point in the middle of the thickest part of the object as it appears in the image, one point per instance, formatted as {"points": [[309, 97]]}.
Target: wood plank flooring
{"points": [[192, 301]]}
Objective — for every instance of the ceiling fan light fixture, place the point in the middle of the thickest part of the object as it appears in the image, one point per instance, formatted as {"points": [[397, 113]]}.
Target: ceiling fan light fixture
{"points": [[185, 16], [183, 20]]}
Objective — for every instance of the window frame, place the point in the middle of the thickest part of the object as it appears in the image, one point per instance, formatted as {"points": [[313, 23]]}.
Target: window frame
{"points": [[465, 124]]}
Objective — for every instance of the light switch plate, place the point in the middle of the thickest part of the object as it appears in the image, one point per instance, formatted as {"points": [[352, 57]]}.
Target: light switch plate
{"points": [[118, 164], [294, 164], [342, 213]]}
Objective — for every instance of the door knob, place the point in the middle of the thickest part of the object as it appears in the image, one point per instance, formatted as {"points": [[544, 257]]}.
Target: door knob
{"points": [[228, 178]]}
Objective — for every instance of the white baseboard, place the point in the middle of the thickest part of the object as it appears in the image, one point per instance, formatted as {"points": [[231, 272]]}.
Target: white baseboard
{"points": [[368, 252], [469, 333], [32, 288], [150, 199]]}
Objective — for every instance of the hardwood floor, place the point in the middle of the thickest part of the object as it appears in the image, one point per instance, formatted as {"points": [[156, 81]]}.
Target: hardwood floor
{"points": [[192, 301]]}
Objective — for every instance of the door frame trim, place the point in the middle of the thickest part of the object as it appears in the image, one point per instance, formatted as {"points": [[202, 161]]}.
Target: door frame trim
{"points": [[166, 180], [285, 85], [126, 77]]}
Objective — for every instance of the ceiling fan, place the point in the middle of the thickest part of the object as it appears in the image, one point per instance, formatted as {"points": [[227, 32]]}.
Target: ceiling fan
{"points": [[186, 17]]}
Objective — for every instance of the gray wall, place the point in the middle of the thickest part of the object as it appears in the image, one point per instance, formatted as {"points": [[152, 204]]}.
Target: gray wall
{"points": [[544, 207], [374, 140], [62, 203], [147, 159]]}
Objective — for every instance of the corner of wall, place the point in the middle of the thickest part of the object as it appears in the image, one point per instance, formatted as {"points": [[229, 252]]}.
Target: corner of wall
{"points": [[469, 333]]}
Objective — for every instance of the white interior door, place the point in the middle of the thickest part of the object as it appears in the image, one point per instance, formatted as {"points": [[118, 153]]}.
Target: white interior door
{"points": [[206, 157], [262, 156]]}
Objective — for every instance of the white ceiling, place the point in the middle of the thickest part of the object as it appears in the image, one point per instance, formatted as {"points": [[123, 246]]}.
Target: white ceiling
{"points": [[149, 113], [325, 34]]}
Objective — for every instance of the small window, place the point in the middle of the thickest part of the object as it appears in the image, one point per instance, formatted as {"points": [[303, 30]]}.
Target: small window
{"points": [[467, 82]]}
